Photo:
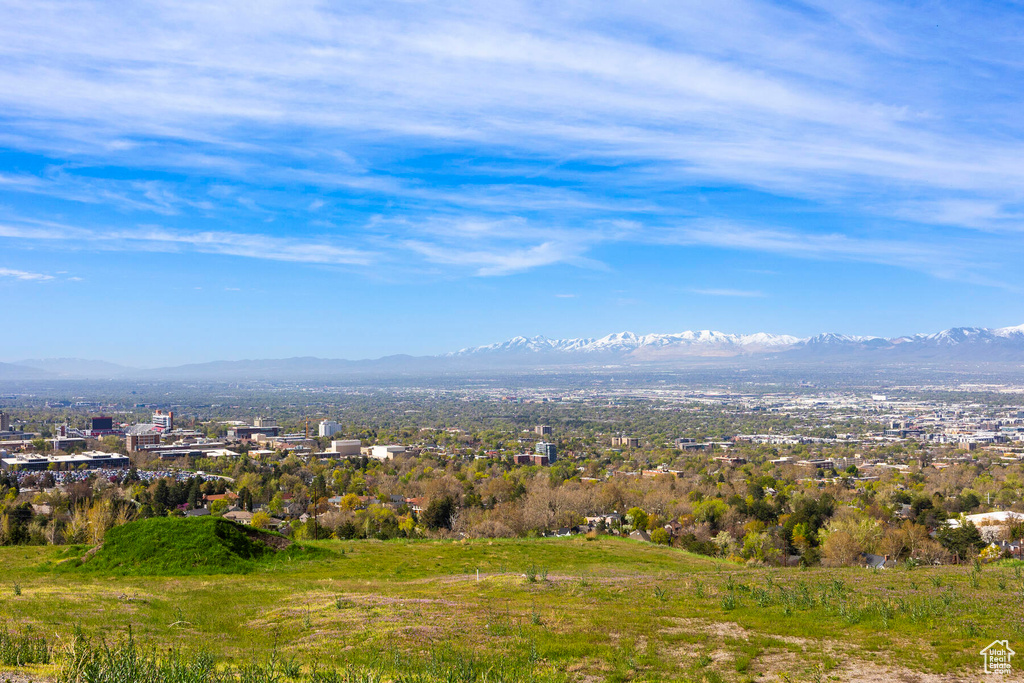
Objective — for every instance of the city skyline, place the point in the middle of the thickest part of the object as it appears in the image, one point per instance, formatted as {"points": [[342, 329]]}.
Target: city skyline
{"points": [[194, 183]]}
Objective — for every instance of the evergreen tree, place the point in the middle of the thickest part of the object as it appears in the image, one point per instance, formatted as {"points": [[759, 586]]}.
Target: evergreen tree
{"points": [[161, 498], [438, 514], [193, 494]]}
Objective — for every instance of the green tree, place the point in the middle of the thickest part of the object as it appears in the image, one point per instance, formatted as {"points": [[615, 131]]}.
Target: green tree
{"points": [[439, 513], [276, 504], [710, 511], [193, 494], [661, 536], [964, 541], [637, 518], [161, 498]]}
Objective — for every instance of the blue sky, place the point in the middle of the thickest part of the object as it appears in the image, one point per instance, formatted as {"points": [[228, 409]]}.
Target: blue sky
{"points": [[193, 181]]}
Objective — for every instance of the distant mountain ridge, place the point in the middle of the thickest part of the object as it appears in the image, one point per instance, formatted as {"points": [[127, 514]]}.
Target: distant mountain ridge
{"points": [[955, 345], [75, 367], [628, 342], [714, 343]]}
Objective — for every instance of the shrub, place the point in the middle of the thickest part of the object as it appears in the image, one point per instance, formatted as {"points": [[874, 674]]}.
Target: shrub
{"points": [[661, 536], [27, 647]]}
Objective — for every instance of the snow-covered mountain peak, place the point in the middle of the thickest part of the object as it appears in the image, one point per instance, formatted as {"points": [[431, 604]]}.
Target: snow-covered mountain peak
{"points": [[630, 342], [960, 341]]}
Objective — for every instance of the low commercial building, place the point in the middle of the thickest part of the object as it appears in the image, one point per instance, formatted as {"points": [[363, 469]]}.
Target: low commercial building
{"points": [[17, 436], [531, 459], [386, 452], [344, 447], [203, 445], [221, 453], [140, 435], [174, 454], [246, 432], [64, 443], [984, 520], [90, 460]]}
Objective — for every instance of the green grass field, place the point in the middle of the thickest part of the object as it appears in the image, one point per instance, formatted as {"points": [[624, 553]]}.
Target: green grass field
{"points": [[541, 609]]}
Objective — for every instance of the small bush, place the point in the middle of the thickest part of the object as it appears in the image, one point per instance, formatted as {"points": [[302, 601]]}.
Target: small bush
{"points": [[27, 647]]}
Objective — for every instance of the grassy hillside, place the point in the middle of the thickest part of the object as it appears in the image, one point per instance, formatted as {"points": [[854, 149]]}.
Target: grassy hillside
{"points": [[541, 609], [170, 546]]}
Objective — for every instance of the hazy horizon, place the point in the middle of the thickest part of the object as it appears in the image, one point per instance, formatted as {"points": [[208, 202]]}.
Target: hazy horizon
{"points": [[752, 338]]}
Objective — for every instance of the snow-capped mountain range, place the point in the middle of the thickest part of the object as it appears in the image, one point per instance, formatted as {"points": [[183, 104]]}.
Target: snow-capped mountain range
{"points": [[717, 344], [956, 347], [628, 342]]}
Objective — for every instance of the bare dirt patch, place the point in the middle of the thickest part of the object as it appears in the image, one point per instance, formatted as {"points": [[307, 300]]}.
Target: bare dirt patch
{"points": [[273, 540], [868, 672], [723, 629], [10, 676]]}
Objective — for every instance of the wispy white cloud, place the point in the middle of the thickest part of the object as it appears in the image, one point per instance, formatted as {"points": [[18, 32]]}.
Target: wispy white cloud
{"points": [[499, 261], [789, 100], [159, 239], [827, 246], [496, 138], [23, 275], [963, 260], [251, 246]]}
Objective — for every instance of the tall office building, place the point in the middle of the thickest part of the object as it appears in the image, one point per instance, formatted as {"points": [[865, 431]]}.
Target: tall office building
{"points": [[328, 428], [164, 420], [548, 450], [5, 422]]}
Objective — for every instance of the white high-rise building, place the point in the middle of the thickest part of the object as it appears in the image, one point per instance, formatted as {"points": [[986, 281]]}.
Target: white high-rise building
{"points": [[328, 428], [163, 420]]}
